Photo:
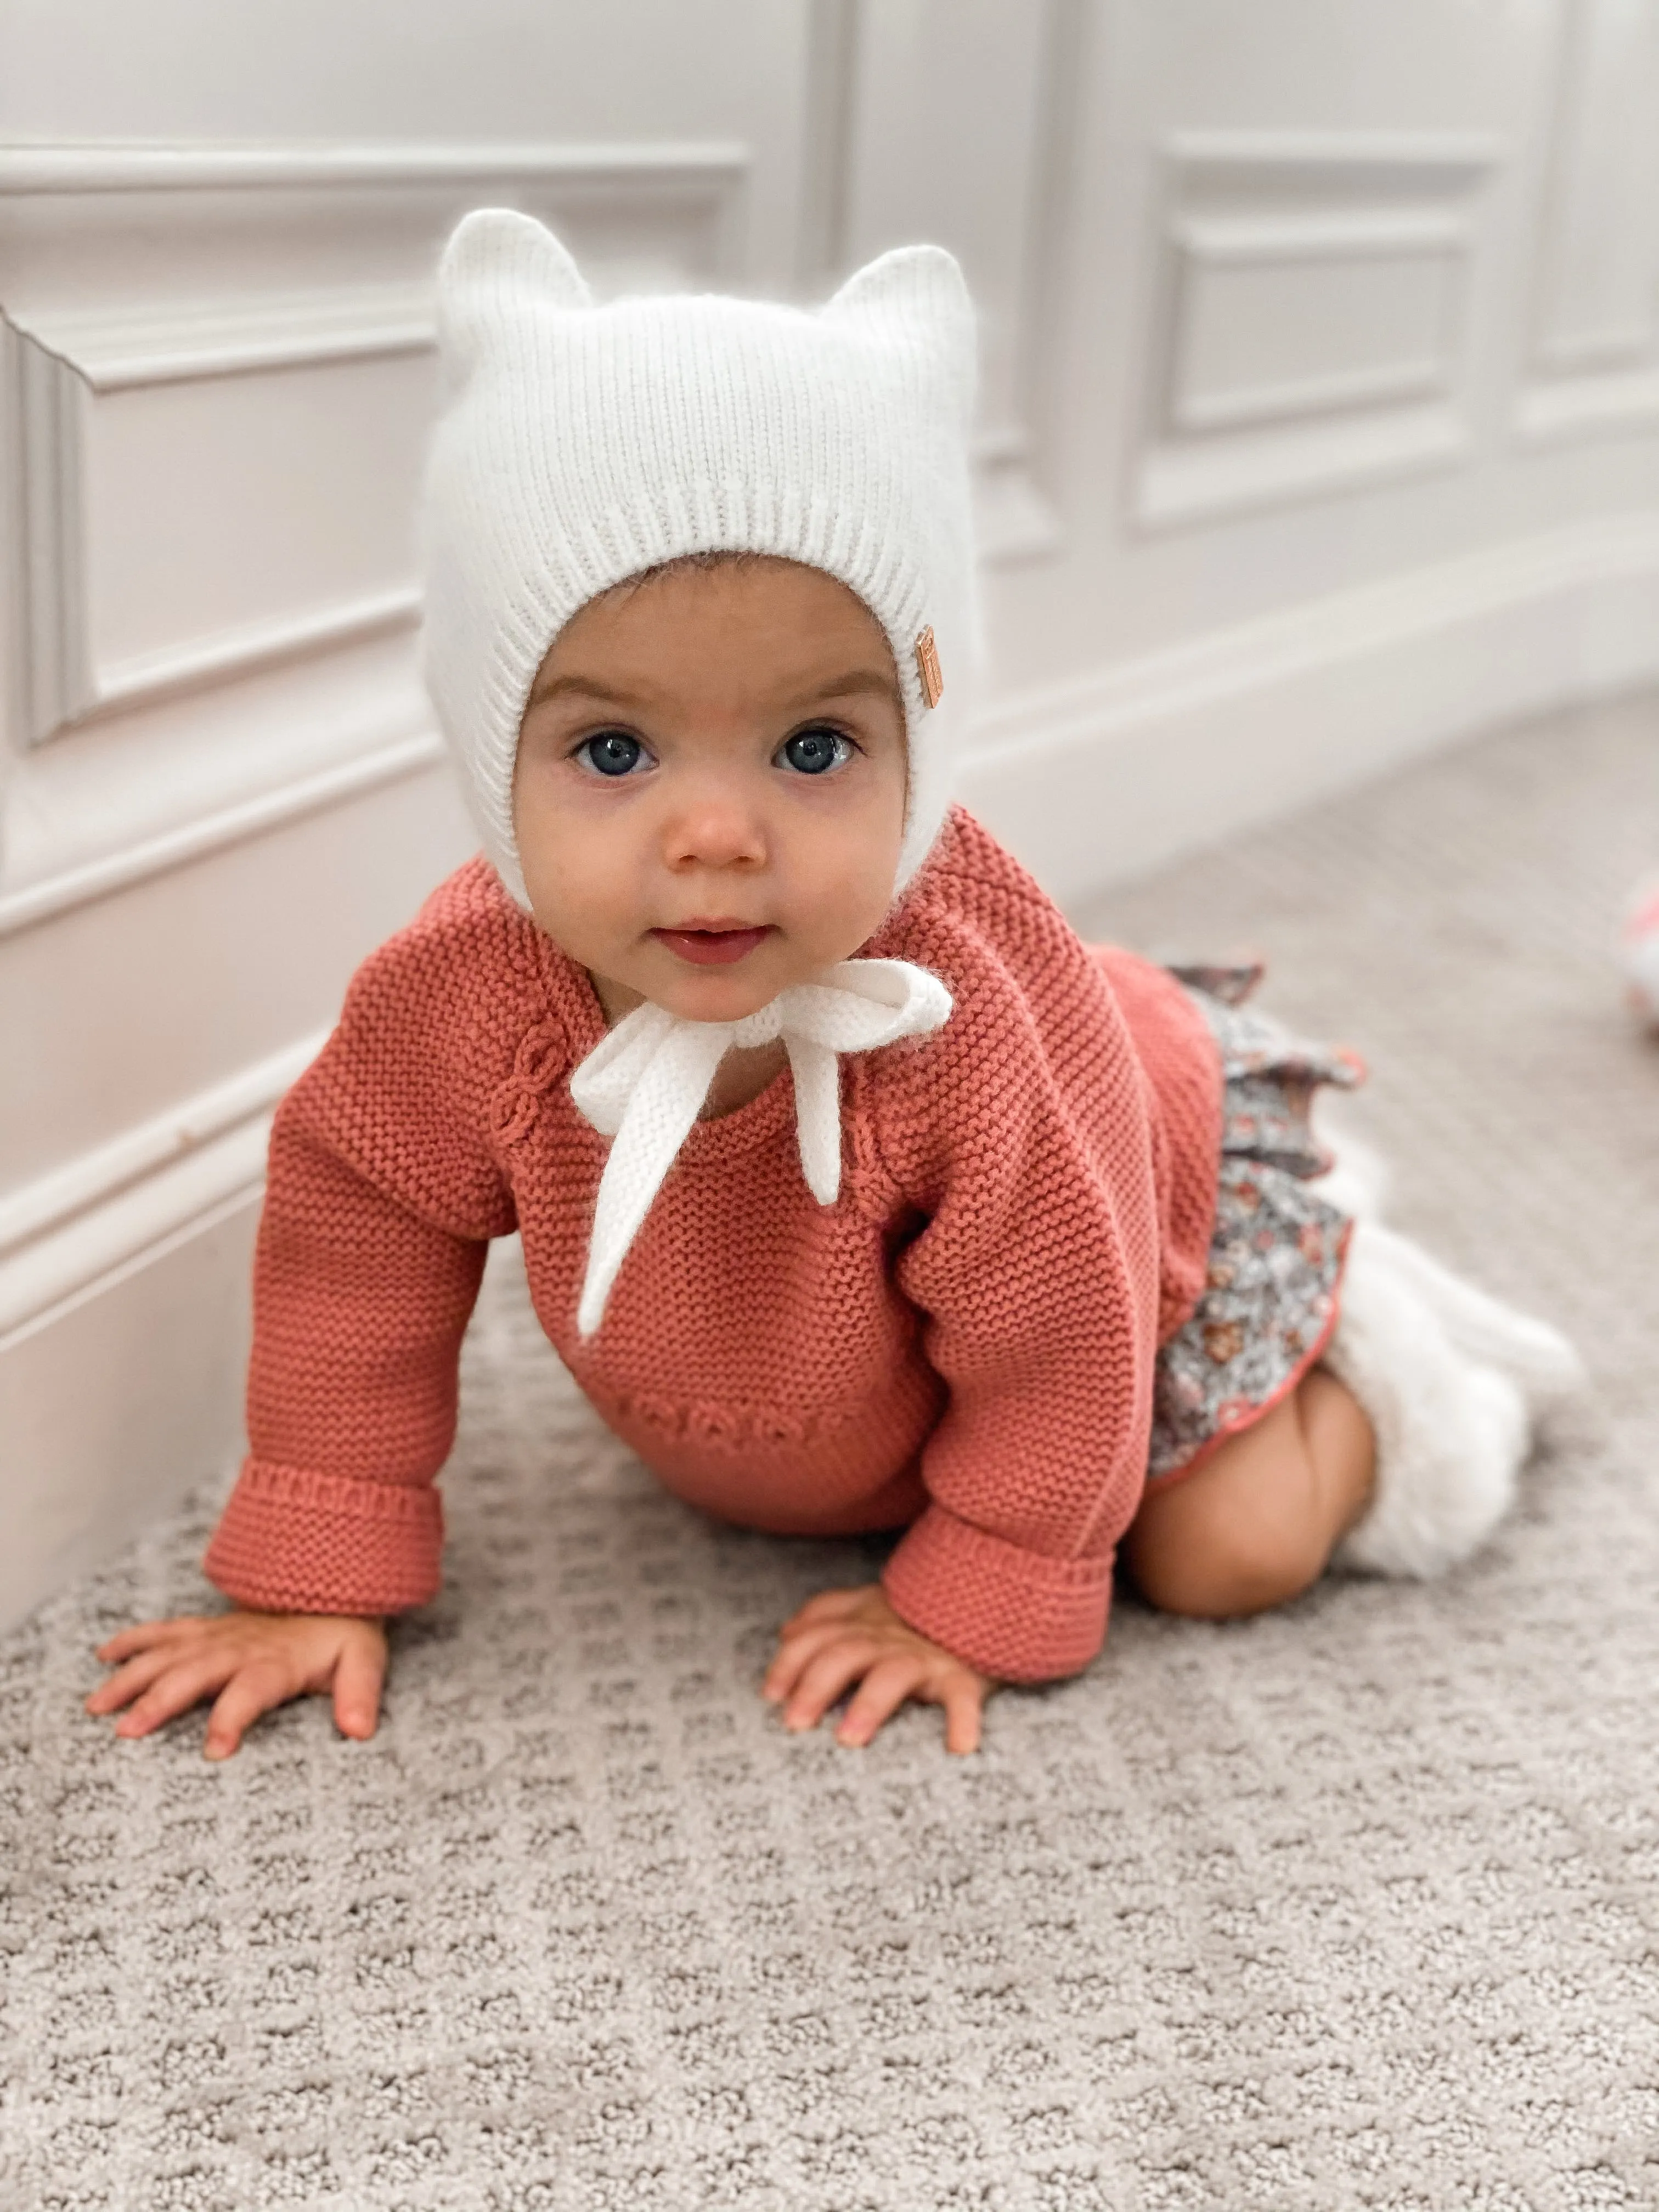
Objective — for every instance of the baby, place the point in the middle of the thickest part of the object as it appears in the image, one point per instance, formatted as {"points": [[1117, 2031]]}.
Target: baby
{"points": [[855, 1191]]}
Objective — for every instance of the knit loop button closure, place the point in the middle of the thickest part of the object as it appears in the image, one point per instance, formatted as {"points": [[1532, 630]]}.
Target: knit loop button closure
{"points": [[538, 1060], [537, 1066]]}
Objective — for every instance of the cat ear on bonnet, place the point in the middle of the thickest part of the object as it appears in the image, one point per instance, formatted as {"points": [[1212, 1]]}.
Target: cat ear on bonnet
{"points": [[915, 300], [495, 262]]}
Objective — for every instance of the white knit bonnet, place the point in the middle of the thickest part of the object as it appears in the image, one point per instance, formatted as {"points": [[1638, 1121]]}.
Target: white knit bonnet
{"points": [[582, 444]]}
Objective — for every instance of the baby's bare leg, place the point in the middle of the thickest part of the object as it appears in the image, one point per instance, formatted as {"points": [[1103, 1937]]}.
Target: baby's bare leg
{"points": [[1258, 1521]]}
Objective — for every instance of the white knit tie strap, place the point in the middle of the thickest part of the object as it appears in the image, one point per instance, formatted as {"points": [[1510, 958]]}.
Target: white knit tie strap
{"points": [[645, 1082]]}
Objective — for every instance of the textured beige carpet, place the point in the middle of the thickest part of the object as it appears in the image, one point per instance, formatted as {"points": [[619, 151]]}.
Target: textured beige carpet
{"points": [[1356, 1905]]}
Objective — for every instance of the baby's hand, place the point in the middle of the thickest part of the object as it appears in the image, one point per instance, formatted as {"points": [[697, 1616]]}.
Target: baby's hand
{"points": [[847, 1635], [246, 1662]]}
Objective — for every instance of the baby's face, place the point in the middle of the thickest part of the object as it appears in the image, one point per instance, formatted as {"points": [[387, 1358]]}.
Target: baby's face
{"points": [[710, 788]]}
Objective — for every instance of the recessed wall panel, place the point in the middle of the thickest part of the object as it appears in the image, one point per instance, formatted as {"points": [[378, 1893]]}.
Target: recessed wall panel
{"points": [[1307, 326], [220, 504], [1594, 364], [1293, 333]]}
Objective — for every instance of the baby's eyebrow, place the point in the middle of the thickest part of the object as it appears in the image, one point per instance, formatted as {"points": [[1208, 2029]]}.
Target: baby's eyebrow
{"points": [[557, 686], [856, 681], [850, 684]]}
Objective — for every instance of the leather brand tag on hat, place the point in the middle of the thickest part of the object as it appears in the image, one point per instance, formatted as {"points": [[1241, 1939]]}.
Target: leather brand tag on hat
{"points": [[927, 668]]}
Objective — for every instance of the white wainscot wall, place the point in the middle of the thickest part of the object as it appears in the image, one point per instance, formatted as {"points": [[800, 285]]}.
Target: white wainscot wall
{"points": [[1319, 424]]}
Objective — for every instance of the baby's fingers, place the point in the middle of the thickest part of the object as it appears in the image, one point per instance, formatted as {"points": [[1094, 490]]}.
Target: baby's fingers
{"points": [[799, 1647], [252, 1690], [963, 1700], [882, 1691], [833, 1670], [184, 1683], [147, 1636], [358, 1682], [121, 1687], [828, 1606]]}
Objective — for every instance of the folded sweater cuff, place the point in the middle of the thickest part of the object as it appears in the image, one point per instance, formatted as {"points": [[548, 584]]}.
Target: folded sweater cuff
{"points": [[1016, 1614], [293, 1540]]}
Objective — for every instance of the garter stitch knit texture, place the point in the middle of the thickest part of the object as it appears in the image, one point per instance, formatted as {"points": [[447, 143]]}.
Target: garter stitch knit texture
{"points": [[961, 1346]]}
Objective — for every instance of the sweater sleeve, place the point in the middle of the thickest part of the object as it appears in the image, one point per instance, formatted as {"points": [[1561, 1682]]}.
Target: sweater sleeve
{"points": [[381, 1193], [1037, 1274]]}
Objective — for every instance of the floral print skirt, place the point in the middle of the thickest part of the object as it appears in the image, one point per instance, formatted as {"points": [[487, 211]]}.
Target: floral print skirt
{"points": [[1276, 1258]]}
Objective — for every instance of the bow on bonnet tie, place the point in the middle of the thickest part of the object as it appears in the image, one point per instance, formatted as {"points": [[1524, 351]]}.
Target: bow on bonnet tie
{"points": [[645, 1082]]}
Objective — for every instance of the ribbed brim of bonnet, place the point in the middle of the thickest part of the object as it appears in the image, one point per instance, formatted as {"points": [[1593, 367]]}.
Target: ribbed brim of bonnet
{"points": [[582, 444]]}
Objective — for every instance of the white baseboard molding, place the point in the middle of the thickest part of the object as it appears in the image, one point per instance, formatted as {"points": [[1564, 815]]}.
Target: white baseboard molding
{"points": [[1106, 778], [130, 1397], [124, 1299]]}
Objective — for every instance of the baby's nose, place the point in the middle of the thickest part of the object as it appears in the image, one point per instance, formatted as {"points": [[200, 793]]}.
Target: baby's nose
{"points": [[716, 831]]}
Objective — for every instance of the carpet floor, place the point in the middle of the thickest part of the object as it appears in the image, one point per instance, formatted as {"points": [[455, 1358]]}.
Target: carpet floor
{"points": [[1354, 1905]]}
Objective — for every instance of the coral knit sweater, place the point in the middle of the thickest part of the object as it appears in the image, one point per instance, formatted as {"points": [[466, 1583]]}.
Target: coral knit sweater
{"points": [[961, 1347]]}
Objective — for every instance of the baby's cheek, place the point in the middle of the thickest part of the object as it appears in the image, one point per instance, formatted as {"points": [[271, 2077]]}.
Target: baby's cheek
{"points": [[577, 880], [848, 902]]}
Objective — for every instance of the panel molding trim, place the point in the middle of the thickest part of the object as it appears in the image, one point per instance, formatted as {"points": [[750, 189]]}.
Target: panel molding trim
{"points": [[986, 172], [1606, 403], [1193, 742], [36, 171], [1247, 242], [121, 351], [287, 800], [1308, 316], [59, 363], [62, 357], [63, 1236], [1593, 366]]}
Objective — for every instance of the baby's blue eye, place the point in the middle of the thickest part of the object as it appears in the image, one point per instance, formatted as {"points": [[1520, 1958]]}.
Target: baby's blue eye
{"points": [[612, 752], [813, 751]]}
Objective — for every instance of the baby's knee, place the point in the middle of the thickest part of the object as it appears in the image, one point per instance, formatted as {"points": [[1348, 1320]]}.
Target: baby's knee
{"points": [[1213, 1561]]}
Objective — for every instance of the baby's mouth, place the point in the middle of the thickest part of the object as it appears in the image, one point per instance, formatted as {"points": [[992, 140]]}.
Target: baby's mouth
{"points": [[713, 945]]}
